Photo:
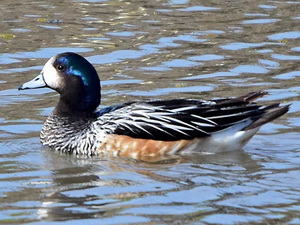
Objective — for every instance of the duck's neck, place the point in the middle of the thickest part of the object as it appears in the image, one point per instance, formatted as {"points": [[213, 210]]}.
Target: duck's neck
{"points": [[64, 109]]}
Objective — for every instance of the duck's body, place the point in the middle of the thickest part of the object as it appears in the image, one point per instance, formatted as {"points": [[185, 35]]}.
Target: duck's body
{"points": [[141, 129]]}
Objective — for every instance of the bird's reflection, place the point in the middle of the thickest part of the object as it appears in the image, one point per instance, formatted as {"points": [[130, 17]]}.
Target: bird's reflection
{"points": [[75, 192]]}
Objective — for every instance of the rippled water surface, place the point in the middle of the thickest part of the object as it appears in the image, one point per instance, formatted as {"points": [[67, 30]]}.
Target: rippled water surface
{"points": [[144, 50]]}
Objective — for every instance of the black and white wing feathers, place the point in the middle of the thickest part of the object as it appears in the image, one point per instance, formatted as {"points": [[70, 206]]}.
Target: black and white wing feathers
{"points": [[151, 121], [171, 120]]}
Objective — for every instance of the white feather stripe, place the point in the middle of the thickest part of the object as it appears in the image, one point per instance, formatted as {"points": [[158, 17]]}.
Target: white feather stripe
{"points": [[179, 129], [129, 124], [161, 124], [183, 108], [228, 115], [125, 124], [205, 119], [141, 119], [162, 130], [202, 124], [139, 127], [159, 117], [155, 114], [140, 114], [166, 119], [149, 108], [171, 119], [176, 127]]}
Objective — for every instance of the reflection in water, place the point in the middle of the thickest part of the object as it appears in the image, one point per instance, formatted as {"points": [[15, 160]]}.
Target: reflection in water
{"points": [[93, 188], [151, 49]]}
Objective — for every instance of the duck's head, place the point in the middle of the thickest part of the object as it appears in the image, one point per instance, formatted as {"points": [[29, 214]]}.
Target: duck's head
{"points": [[74, 78]]}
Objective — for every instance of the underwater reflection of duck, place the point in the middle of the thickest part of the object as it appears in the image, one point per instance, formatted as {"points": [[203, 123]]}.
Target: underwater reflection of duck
{"points": [[141, 128]]}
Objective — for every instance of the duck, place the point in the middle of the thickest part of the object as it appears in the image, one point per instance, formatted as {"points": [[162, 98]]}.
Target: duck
{"points": [[137, 129]]}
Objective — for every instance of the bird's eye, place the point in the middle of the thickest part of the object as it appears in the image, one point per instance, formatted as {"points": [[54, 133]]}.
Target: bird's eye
{"points": [[60, 67]]}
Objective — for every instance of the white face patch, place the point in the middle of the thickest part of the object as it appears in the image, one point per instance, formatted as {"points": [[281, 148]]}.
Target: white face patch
{"points": [[50, 75]]}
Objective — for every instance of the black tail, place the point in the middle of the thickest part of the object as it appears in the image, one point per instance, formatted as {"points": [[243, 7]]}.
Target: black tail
{"points": [[271, 112]]}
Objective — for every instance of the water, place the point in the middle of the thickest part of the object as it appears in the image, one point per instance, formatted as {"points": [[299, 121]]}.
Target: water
{"points": [[145, 50]]}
